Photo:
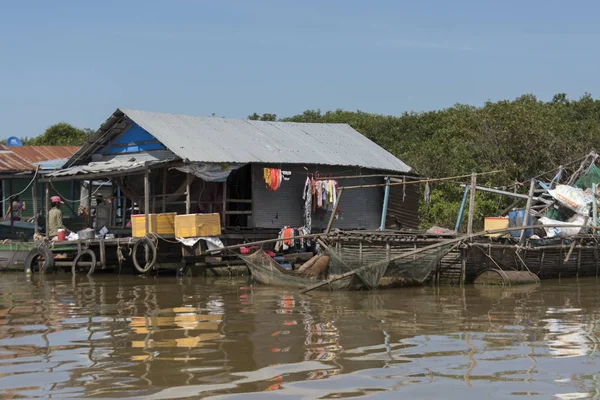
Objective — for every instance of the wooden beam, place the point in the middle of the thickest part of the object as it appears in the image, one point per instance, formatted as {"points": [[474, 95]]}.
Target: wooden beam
{"points": [[12, 212], [224, 210], [335, 210], [147, 200], [237, 246], [509, 194], [450, 178], [471, 204], [47, 201], [88, 203], [35, 206], [188, 193], [164, 191]]}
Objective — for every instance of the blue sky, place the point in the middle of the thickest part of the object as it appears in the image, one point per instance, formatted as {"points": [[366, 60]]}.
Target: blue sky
{"points": [[77, 61]]}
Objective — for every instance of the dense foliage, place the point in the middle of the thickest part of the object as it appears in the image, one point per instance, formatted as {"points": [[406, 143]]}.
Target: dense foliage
{"points": [[523, 138], [60, 134]]}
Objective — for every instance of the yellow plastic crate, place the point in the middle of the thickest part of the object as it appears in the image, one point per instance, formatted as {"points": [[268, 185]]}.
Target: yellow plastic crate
{"points": [[161, 224], [195, 225], [493, 223]]}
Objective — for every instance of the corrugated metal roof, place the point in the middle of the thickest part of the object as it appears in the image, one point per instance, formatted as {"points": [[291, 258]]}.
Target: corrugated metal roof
{"points": [[101, 167], [35, 154], [10, 161], [22, 158], [211, 139]]}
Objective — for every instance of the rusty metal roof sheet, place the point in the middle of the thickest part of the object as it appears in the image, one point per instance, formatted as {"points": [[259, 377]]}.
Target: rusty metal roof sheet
{"points": [[22, 158], [211, 139]]}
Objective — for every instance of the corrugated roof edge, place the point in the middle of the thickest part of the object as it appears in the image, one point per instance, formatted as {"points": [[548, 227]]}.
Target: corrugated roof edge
{"points": [[103, 133]]}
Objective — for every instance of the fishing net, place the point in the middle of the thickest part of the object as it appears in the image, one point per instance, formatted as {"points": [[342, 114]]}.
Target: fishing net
{"points": [[370, 274], [591, 176], [418, 267], [372, 268]]}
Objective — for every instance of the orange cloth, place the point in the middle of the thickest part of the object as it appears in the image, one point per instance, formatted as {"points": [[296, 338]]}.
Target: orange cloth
{"points": [[288, 234]]}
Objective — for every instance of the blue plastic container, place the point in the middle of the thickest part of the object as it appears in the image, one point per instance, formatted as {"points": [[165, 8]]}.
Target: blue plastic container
{"points": [[515, 219], [286, 265]]}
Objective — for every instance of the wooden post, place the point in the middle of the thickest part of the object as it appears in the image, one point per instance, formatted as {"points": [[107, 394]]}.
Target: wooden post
{"points": [[34, 205], [72, 193], [147, 199], [88, 204], [4, 208], [224, 221], [164, 191], [124, 209], [12, 212], [102, 253], [188, 194], [335, 209], [527, 211], [463, 265], [153, 202], [47, 206], [472, 204]]}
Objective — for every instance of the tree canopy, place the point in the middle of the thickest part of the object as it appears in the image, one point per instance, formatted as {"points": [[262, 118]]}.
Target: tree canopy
{"points": [[60, 134], [521, 137]]}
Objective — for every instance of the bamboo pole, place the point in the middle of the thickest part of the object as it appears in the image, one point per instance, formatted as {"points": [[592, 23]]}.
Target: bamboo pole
{"points": [[188, 194], [527, 211], [224, 221], [335, 210], [237, 246], [164, 191], [12, 211], [420, 181], [471, 204], [35, 206], [88, 203], [47, 206], [147, 200]]}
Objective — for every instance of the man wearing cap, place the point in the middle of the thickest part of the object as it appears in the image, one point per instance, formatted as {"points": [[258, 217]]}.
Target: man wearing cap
{"points": [[55, 217]]}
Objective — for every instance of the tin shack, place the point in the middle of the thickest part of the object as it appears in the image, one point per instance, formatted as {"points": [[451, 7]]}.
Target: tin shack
{"points": [[20, 169], [256, 175]]}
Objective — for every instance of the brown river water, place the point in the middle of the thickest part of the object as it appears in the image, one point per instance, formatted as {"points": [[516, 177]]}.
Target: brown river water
{"points": [[162, 338]]}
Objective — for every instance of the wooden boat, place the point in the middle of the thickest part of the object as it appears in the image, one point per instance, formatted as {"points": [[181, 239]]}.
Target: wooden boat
{"points": [[13, 254], [268, 272], [19, 230]]}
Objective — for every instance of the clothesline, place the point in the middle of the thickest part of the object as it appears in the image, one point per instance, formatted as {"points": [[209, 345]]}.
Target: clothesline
{"points": [[419, 181]]}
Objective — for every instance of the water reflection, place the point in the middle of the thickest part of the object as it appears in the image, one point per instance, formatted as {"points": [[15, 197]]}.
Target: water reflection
{"points": [[116, 337]]}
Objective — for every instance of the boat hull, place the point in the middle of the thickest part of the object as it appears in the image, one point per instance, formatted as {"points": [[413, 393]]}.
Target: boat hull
{"points": [[12, 255]]}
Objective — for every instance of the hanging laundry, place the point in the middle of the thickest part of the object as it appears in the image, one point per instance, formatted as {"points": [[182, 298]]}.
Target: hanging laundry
{"points": [[307, 196], [318, 194], [291, 238], [274, 176]]}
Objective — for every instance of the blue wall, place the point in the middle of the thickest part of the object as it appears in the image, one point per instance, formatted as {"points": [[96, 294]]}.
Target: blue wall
{"points": [[133, 140]]}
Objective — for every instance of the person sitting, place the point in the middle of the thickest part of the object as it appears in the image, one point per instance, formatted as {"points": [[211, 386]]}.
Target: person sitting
{"points": [[15, 210], [55, 218]]}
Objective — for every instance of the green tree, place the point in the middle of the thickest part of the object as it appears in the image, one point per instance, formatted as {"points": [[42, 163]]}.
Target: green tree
{"points": [[60, 134], [264, 117], [522, 138]]}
